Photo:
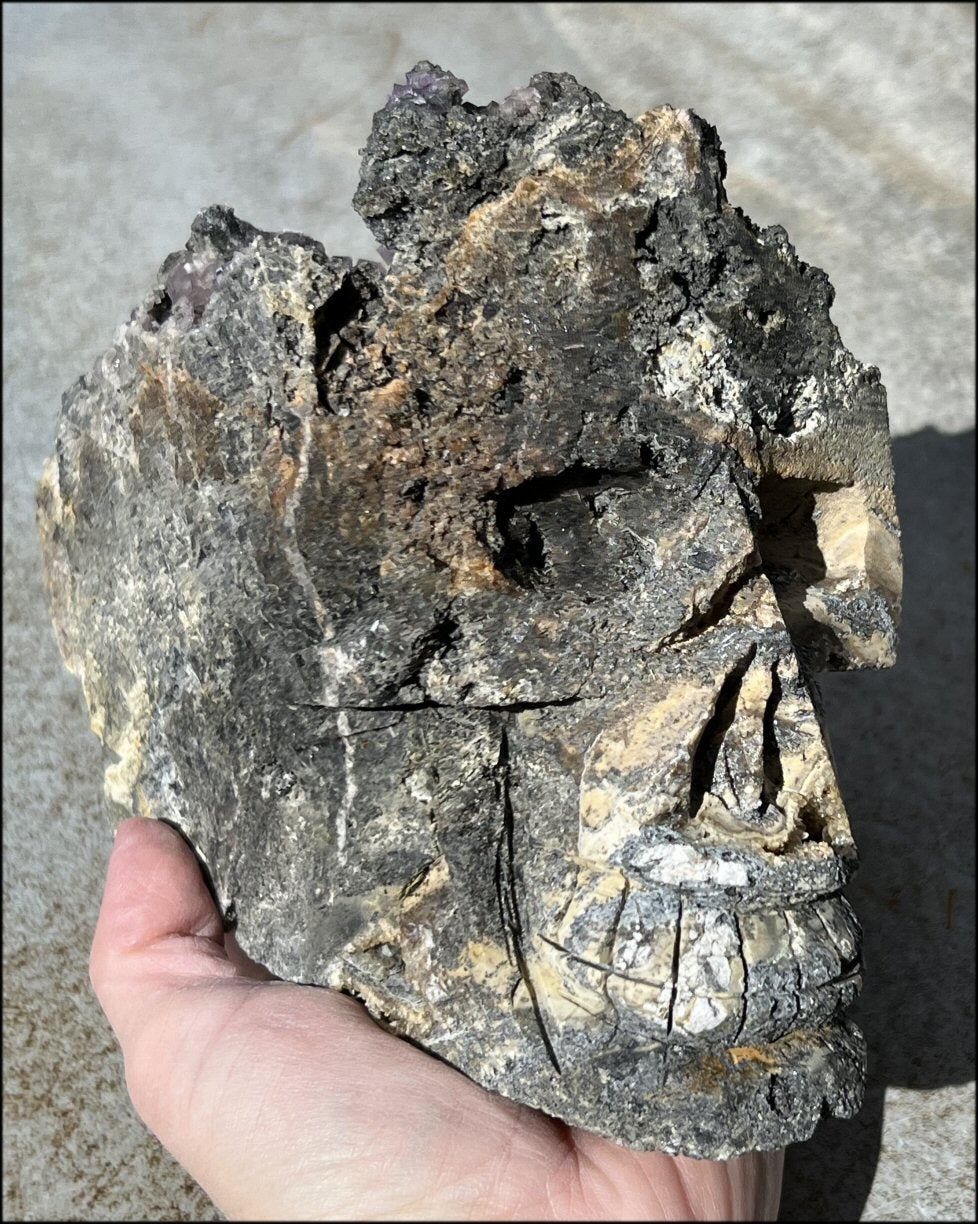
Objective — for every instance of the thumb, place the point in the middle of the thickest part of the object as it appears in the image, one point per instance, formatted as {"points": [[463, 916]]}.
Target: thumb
{"points": [[208, 1048], [269, 1093], [162, 972], [158, 927]]}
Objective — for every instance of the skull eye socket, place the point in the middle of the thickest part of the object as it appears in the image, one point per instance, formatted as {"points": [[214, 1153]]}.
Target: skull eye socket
{"points": [[788, 538], [545, 527], [523, 555], [835, 570]]}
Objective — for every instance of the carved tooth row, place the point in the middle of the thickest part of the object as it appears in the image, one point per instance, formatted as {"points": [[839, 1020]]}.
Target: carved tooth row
{"points": [[672, 969], [681, 980]]}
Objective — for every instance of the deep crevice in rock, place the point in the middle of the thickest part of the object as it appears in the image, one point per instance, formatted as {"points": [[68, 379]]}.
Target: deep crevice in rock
{"points": [[813, 823], [720, 605], [522, 556], [742, 1023], [512, 395], [648, 229], [676, 949], [340, 309], [578, 477], [394, 707], [439, 639], [159, 312], [773, 777]]}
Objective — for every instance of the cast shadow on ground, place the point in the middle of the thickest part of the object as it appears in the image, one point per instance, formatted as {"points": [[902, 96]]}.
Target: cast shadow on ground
{"points": [[904, 747]]}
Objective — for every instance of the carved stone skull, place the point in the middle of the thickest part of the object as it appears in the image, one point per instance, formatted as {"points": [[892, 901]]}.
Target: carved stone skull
{"points": [[463, 612]]}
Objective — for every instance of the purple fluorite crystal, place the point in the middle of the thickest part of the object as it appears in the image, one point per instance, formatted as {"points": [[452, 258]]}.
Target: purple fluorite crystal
{"points": [[523, 101], [428, 84], [192, 281]]}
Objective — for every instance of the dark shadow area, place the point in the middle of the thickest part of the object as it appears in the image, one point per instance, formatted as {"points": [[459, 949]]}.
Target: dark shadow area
{"points": [[788, 540], [792, 558], [904, 744]]}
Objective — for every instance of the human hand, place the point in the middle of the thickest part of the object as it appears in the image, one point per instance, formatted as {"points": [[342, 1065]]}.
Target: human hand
{"points": [[289, 1102]]}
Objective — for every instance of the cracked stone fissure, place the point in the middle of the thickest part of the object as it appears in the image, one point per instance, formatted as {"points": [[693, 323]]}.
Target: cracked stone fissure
{"points": [[413, 885], [436, 643], [773, 774], [743, 958], [616, 921], [506, 891], [579, 477], [341, 308], [707, 478], [720, 603], [675, 967], [608, 970], [404, 707]]}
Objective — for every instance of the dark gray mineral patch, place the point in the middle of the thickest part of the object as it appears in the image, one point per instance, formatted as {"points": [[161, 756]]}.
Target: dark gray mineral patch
{"points": [[463, 611]]}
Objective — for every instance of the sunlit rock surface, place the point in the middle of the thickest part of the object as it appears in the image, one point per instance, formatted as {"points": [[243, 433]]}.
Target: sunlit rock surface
{"points": [[462, 610]]}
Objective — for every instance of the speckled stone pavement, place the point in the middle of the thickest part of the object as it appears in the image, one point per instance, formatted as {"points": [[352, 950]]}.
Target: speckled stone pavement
{"points": [[852, 126]]}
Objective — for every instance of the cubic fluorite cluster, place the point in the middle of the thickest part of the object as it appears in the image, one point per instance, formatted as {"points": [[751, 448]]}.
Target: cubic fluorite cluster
{"points": [[463, 612]]}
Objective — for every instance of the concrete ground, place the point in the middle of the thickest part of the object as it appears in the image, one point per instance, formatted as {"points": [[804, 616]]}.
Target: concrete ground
{"points": [[851, 125]]}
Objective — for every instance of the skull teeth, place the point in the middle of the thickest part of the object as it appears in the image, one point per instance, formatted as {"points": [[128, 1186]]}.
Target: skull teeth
{"points": [[690, 973]]}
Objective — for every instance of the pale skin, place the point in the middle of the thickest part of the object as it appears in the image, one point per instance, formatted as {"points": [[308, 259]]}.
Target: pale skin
{"points": [[288, 1102]]}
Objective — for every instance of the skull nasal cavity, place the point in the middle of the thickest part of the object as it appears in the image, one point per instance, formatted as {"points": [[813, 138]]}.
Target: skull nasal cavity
{"points": [[707, 748]]}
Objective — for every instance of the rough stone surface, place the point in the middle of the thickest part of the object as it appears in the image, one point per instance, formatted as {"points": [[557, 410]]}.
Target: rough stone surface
{"points": [[468, 606]]}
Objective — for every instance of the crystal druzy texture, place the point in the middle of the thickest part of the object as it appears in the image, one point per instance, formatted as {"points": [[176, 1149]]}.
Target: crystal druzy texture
{"points": [[463, 612]]}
